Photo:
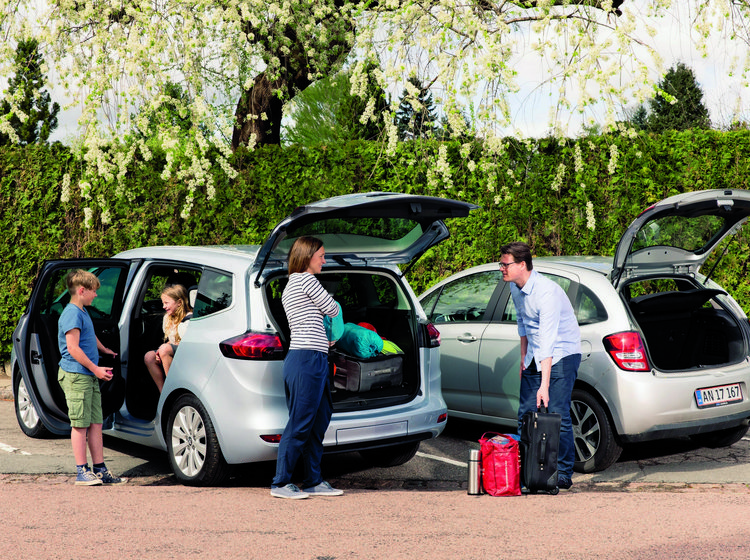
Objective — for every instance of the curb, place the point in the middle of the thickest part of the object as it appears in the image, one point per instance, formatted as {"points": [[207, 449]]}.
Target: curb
{"points": [[6, 394]]}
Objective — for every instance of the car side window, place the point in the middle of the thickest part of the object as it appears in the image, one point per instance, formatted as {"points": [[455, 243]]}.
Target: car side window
{"points": [[588, 309], [509, 313], [56, 295], [214, 293], [429, 302], [467, 298]]}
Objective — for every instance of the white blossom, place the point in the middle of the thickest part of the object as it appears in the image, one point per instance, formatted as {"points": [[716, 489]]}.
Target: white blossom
{"points": [[590, 218]]}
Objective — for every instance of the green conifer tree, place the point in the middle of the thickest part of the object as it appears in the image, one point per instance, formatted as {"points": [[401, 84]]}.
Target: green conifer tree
{"points": [[413, 123], [26, 85], [687, 112]]}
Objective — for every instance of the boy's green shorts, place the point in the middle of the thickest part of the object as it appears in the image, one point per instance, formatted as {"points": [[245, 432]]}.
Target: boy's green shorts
{"points": [[83, 397]]}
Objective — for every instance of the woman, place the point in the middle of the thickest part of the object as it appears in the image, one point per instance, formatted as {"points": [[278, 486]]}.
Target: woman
{"points": [[308, 394], [177, 313]]}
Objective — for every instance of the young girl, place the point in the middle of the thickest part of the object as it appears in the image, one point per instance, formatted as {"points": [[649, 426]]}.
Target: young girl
{"points": [[177, 309], [306, 376]]}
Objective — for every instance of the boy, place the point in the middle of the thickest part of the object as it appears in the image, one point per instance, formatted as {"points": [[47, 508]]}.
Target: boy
{"points": [[78, 376]]}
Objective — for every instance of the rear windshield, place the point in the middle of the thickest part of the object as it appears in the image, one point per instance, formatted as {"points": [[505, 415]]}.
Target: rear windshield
{"points": [[693, 234], [375, 235]]}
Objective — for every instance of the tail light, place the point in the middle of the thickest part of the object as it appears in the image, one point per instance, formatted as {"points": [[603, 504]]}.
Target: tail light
{"points": [[430, 336], [627, 350], [253, 346]]}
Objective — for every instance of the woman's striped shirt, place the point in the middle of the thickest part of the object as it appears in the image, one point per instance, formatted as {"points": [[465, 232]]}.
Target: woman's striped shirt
{"points": [[305, 302]]}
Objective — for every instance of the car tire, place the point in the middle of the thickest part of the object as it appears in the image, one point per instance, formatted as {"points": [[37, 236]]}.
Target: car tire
{"points": [[594, 438], [26, 413], [720, 438], [392, 456], [192, 444]]}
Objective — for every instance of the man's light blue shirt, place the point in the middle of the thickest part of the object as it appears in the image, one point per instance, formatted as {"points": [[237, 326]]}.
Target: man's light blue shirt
{"points": [[546, 319]]}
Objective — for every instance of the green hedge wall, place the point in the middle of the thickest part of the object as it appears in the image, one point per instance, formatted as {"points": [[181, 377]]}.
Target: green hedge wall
{"points": [[545, 192]]}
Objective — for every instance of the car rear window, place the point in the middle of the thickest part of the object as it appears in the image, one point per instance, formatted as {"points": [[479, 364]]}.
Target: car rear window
{"points": [[214, 293]]}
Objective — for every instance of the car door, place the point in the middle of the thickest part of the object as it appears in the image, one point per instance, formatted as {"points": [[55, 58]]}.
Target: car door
{"points": [[461, 314], [35, 339], [500, 355]]}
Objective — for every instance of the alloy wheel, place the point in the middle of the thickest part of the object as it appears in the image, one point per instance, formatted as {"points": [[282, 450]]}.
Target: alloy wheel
{"points": [[189, 441]]}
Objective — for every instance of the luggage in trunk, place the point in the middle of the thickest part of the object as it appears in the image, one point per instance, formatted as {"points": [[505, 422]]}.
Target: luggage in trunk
{"points": [[540, 441], [359, 375]]}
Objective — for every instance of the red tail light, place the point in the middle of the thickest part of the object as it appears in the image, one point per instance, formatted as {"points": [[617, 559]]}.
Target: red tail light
{"points": [[253, 346], [431, 336], [628, 351]]}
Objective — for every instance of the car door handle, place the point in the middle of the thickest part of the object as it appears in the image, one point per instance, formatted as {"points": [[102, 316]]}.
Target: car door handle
{"points": [[466, 337]]}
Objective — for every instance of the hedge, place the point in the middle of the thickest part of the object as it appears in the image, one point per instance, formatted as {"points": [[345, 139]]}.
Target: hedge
{"points": [[562, 197]]}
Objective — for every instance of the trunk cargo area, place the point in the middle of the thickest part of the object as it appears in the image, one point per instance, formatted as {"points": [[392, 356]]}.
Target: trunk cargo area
{"points": [[377, 299], [688, 329]]}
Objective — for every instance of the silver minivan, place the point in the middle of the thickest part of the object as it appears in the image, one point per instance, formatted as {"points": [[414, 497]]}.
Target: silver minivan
{"points": [[223, 402], [666, 351]]}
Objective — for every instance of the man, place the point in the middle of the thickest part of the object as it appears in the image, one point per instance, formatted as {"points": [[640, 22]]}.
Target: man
{"points": [[550, 346]]}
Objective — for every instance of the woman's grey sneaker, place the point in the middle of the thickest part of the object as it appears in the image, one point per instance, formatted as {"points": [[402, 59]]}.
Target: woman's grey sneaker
{"points": [[85, 477], [289, 492], [323, 489], [108, 478]]}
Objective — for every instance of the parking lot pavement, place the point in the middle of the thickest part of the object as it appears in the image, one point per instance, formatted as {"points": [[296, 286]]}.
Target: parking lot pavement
{"points": [[440, 464]]}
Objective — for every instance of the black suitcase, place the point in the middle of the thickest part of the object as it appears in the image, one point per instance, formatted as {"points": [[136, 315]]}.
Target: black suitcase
{"points": [[540, 441], [359, 374]]}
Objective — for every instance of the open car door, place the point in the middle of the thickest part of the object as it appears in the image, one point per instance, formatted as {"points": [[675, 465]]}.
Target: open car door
{"points": [[35, 339]]}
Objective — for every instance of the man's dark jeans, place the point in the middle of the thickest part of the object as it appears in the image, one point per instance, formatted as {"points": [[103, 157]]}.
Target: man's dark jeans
{"points": [[562, 378]]}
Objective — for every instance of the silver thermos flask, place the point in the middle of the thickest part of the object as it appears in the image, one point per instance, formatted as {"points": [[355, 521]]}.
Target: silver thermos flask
{"points": [[475, 473]]}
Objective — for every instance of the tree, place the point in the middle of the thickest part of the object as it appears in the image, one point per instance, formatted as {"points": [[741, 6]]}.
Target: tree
{"points": [[240, 62], [415, 116], [28, 109], [169, 112], [682, 107], [328, 111]]}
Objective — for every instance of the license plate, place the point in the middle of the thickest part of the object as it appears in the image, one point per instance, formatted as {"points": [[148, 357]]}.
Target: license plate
{"points": [[718, 396]]}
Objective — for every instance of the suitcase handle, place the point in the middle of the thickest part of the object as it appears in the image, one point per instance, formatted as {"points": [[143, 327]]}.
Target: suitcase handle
{"points": [[542, 408]]}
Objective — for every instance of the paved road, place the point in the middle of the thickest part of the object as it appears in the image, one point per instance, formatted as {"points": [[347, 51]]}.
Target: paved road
{"points": [[669, 501], [440, 464]]}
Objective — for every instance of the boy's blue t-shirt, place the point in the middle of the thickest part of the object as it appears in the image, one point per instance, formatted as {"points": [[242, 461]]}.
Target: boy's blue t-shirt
{"points": [[73, 317]]}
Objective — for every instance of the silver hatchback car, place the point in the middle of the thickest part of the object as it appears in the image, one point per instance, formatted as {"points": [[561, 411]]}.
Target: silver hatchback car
{"points": [[666, 352], [223, 402]]}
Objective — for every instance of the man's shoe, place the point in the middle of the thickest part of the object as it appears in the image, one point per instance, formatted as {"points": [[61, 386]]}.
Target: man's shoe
{"points": [[324, 489], [86, 478], [108, 478], [564, 483], [289, 492]]}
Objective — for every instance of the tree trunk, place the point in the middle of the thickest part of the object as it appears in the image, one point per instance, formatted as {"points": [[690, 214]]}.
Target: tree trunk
{"points": [[258, 115]]}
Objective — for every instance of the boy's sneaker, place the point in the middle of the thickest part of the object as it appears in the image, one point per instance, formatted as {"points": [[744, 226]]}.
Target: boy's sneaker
{"points": [[289, 492], [106, 477], [86, 478], [324, 489]]}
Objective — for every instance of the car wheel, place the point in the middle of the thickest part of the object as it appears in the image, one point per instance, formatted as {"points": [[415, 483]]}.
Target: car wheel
{"points": [[720, 438], [193, 446], [392, 456], [26, 413], [593, 435]]}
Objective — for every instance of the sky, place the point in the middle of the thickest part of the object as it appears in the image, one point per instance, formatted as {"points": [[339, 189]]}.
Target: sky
{"points": [[724, 95]]}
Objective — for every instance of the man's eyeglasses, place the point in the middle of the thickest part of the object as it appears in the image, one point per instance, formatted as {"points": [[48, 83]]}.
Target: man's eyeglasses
{"points": [[504, 266]]}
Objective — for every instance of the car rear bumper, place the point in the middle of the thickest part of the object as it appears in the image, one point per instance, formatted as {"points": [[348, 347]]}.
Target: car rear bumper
{"points": [[657, 405], [688, 428]]}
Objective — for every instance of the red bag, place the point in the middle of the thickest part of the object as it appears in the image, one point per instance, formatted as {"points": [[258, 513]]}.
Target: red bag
{"points": [[501, 465]]}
